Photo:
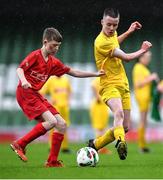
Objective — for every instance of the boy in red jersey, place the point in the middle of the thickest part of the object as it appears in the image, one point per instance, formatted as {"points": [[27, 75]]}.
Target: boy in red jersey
{"points": [[33, 72]]}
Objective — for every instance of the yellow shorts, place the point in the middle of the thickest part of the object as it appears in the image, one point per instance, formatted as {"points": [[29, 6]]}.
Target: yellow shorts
{"points": [[99, 115], [64, 112], [114, 91], [143, 103]]}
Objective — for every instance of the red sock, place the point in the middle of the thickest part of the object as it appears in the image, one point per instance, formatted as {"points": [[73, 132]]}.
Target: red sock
{"points": [[57, 139], [36, 132]]}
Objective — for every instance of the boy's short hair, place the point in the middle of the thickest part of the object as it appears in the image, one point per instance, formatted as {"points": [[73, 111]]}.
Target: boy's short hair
{"points": [[51, 34], [112, 12]]}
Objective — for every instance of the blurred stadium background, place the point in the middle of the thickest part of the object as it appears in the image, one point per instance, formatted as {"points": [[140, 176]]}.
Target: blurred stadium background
{"points": [[22, 23]]}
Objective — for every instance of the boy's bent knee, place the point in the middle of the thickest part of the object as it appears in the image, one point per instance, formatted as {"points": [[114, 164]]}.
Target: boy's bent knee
{"points": [[49, 124], [61, 124], [52, 124], [62, 127]]}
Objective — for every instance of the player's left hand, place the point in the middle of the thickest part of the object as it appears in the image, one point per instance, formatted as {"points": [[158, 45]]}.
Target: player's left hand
{"points": [[134, 26]]}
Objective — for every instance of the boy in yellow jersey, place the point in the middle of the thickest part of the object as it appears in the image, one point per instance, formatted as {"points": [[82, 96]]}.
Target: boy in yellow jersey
{"points": [[59, 89], [114, 84], [142, 79], [97, 109]]}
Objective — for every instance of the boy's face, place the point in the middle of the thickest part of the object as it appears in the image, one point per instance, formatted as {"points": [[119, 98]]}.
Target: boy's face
{"points": [[51, 46], [146, 58], [109, 25]]}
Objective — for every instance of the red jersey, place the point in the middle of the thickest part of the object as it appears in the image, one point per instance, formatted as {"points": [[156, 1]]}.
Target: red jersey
{"points": [[37, 70]]}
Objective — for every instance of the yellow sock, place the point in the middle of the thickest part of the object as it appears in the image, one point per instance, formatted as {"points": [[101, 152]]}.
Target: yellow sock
{"points": [[141, 137], [65, 142], [105, 139], [119, 133]]}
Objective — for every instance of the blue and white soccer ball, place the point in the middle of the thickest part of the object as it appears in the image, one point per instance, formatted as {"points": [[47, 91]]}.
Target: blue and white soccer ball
{"points": [[87, 156]]}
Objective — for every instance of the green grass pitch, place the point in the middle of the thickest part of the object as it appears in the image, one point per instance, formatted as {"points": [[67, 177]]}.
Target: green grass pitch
{"points": [[137, 165]]}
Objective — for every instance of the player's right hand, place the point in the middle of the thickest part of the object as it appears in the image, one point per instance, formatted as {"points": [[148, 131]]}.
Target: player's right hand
{"points": [[146, 45], [26, 85]]}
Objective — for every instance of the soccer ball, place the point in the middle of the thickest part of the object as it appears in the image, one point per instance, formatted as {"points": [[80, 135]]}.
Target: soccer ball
{"points": [[87, 156]]}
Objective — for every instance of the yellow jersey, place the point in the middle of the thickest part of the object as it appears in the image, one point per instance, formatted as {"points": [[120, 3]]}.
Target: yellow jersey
{"points": [[59, 89], [113, 67], [140, 72]]}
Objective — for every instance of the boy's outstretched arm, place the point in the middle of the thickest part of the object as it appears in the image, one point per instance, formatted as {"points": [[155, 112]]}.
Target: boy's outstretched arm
{"points": [[130, 56], [84, 74]]}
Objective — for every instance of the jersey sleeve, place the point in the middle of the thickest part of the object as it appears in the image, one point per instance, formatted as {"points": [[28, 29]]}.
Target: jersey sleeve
{"points": [[28, 62], [60, 69], [106, 47]]}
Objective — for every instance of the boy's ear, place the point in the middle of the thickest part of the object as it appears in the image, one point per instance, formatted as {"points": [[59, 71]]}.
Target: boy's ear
{"points": [[45, 41], [102, 21]]}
